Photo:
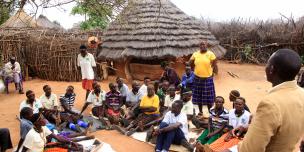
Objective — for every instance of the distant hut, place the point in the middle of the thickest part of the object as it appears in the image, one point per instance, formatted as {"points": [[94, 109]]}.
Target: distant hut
{"points": [[44, 22], [20, 20], [150, 31]]}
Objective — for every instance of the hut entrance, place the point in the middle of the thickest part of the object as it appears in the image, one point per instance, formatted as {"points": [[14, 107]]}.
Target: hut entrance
{"points": [[140, 68]]}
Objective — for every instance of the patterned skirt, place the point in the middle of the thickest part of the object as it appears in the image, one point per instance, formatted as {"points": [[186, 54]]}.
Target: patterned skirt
{"points": [[203, 91], [220, 144]]}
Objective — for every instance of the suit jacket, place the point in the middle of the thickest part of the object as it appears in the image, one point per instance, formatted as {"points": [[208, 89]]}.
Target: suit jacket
{"points": [[278, 123]]}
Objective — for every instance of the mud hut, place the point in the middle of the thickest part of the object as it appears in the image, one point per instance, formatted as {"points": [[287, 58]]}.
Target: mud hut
{"points": [[150, 31]]}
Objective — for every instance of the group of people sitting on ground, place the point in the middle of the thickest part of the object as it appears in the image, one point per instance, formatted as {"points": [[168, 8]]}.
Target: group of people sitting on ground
{"points": [[165, 108], [44, 120]]}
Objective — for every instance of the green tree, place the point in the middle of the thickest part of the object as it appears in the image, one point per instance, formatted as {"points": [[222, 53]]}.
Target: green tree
{"points": [[6, 8], [98, 13]]}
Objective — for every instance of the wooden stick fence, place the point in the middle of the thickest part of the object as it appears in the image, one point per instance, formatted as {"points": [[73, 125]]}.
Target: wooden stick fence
{"points": [[50, 55]]}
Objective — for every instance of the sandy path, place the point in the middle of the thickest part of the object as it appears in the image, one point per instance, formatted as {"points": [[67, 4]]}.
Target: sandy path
{"points": [[251, 83]]}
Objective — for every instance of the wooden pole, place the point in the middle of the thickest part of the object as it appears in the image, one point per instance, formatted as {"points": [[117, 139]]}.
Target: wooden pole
{"points": [[127, 69], [104, 70]]}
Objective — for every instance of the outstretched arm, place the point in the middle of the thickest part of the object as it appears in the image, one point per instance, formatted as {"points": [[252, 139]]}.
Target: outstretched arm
{"points": [[85, 106]]}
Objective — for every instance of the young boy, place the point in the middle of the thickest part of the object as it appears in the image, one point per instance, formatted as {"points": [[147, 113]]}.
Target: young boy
{"points": [[187, 78], [25, 124], [69, 117], [217, 122], [173, 129], [188, 105], [171, 97], [113, 104], [143, 88], [162, 92]]}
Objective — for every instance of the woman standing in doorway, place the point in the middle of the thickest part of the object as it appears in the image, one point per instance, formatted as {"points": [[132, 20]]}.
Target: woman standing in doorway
{"points": [[205, 66]]}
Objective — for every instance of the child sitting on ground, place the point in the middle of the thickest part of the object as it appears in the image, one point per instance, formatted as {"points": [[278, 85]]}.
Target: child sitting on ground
{"points": [[113, 105], [217, 122], [50, 105], [188, 107], [239, 120], [171, 97], [149, 107]]}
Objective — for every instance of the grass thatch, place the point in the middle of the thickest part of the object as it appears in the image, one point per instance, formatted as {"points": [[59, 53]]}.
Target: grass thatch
{"points": [[44, 22], [154, 29], [20, 20]]}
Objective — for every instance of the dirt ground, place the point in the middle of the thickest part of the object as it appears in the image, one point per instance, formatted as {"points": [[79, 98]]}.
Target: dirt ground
{"points": [[251, 83]]}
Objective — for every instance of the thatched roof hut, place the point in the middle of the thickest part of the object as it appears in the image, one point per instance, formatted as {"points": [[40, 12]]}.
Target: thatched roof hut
{"points": [[44, 22], [154, 30], [20, 20]]}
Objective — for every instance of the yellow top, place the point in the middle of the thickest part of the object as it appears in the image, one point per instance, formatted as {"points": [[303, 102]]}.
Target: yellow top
{"points": [[150, 102], [202, 62]]}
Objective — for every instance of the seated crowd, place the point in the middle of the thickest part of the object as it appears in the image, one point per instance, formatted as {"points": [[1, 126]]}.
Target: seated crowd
{"points": [[163, 107]]}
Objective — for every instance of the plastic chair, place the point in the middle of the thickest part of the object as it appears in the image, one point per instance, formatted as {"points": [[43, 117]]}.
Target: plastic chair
{"points": [[8, 81]]}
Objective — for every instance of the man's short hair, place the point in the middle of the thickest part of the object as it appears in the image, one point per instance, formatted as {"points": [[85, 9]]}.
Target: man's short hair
{"points": [[45, 86], [179, 103], [147, 78], [25, 111], [28, 92], [82, 47], [287, 63]]}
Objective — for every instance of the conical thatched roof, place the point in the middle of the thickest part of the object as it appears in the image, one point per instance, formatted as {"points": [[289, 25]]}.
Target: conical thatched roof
{"points": [[44, 22], [151, 29], [20, 20]]}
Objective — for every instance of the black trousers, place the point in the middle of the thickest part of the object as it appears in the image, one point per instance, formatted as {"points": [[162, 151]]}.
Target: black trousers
{"points": [[5, 139]]}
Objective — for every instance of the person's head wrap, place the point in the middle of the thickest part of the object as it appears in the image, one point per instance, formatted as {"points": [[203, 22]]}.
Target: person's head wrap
{"points": [[187, 91]]}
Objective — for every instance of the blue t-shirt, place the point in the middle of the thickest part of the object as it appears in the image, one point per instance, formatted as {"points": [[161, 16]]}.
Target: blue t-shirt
{"points": [[25, 127]]}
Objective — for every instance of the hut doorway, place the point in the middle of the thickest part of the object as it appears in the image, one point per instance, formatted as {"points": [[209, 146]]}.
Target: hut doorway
{"points": [[140, 68]]}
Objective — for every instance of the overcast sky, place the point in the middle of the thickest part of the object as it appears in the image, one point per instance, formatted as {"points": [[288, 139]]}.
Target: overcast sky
{"points": [[217, 10]]}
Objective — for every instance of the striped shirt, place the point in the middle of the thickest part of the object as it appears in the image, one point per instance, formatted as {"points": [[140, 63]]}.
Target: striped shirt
{"points": [[68, 99], [219, 118], [113, 98]]}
